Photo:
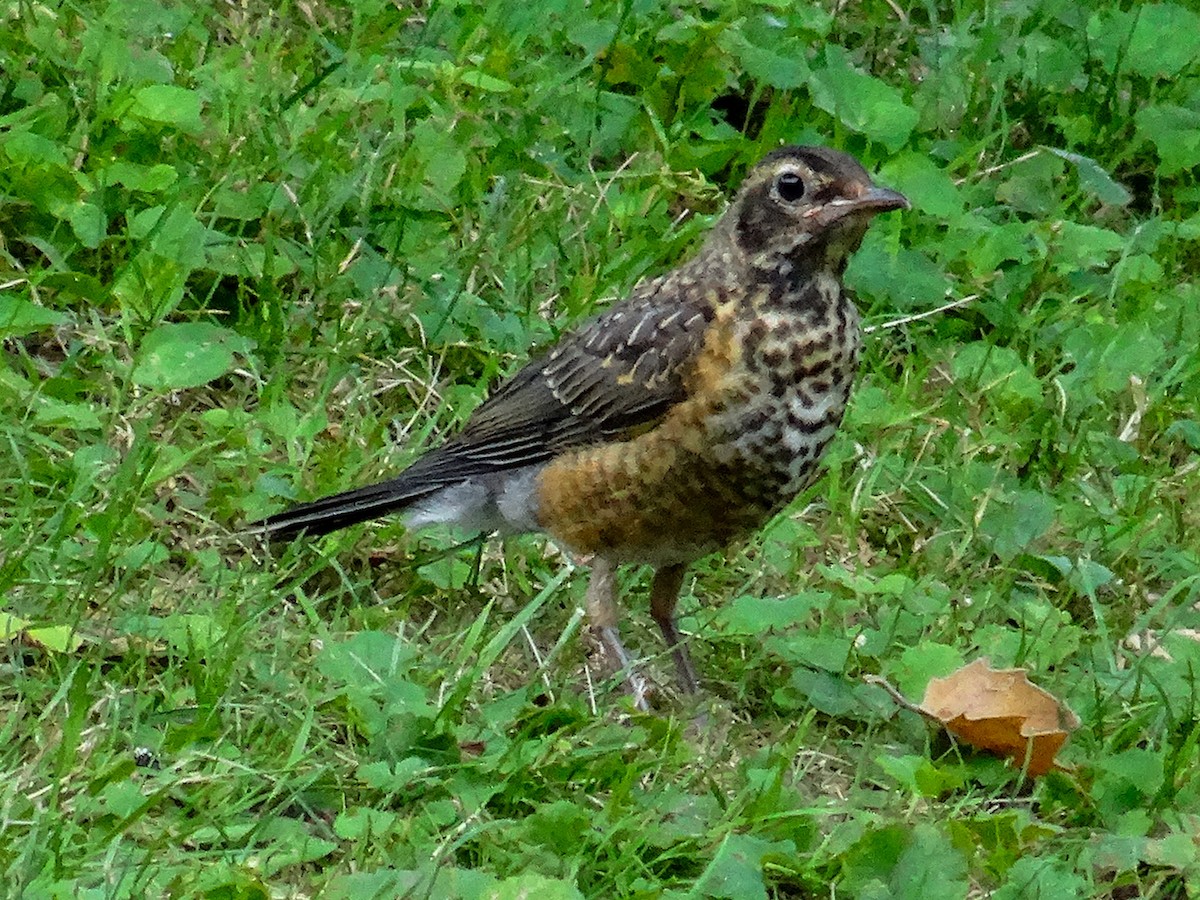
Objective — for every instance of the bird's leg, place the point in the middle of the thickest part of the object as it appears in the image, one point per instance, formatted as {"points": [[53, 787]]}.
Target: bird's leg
{"points": [[664, 593], [602, 613]]}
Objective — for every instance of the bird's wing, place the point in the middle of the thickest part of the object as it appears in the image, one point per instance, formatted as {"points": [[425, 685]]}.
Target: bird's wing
{"points": [[616, 375]]}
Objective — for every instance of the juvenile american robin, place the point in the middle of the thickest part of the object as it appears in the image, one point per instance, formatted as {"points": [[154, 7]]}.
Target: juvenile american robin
{"points": [[680, 419]]}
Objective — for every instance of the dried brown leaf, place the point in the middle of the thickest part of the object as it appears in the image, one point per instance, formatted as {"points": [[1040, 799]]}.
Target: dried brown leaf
{"points": [[1001, 711]]}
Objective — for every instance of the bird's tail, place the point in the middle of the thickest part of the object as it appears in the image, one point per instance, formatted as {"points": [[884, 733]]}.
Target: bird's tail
{"points": [[343, 510]]}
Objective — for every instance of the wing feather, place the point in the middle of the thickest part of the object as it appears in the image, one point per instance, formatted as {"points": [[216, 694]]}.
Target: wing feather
{"points": [[619, 373]]}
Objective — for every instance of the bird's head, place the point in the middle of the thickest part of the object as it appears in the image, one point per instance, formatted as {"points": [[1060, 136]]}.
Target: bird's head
{"points": [[806, 208]]}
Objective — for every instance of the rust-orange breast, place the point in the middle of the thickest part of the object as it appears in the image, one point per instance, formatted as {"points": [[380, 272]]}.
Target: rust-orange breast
{"points": [[660, 496]]}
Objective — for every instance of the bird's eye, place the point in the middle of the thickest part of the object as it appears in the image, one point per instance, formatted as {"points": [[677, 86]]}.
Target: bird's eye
{"points": [[790, 187]]}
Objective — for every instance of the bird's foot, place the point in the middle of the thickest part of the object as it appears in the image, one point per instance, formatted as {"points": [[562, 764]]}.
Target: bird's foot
{"points": [[640, 687]]}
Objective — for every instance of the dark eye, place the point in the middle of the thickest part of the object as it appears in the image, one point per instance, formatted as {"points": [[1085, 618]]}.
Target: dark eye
{"points": [[790, 187]]}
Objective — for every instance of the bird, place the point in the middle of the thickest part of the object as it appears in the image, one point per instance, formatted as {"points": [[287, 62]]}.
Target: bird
{"points": [[675, 422]]}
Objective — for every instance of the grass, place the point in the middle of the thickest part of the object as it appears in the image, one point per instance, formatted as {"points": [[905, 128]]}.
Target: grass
{"points": [[255, 253]]}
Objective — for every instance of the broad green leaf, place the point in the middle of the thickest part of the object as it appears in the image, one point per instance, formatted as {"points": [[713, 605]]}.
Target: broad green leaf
{"points": [[765, 61], [451, 572], [1105, 356], [992, 244], [1094, 179], [866, 864], [1127, 779], [1086, 246], [1138, 766], [179, 236], [363, 822], [142, 555], [1051, 63], [1186, 430], [150, 286], [62, 414], [823, 690], [143, 222], [56, 638], [380, 883], [151, 179], [398, 776], [1011, 523], [862, 102], [79, 285], [1033, 186], [593, 34], [1108, 33], [1042, 876], [812, 18], [757, 615], [916, 665], [123, 798], [11, 626], [680, 815], [28, 149], [736, 871], [821, 651], [168, 104], [928, 187], [188, 354], [191, 632], [931, 867], [369, 658], [88, 222], [371, 669], [245, 202], [999, 373], [441, 164], [174, 233], [904, 863], [1175, 133], [1089, 575], [19, 316], [558, 826], [918, 774], [1142, 268], [1178, 851], [908, 278], [288, 843], [876, 407], [1165, 40]]}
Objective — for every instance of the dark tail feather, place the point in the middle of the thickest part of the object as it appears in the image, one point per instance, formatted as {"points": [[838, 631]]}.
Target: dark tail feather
{"points": [[449, 464], [342, 510]]}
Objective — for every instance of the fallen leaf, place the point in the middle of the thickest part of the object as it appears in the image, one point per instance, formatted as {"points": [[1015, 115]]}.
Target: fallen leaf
{"points": [[1002, 711], [998, 710]]}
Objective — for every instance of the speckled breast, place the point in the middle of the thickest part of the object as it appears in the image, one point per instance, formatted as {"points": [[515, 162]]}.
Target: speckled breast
{"points": [[764, 401], [787, 398]]}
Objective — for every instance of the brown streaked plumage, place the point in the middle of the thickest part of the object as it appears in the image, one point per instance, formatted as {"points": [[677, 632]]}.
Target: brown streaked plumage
{"points": [[678, 420]]}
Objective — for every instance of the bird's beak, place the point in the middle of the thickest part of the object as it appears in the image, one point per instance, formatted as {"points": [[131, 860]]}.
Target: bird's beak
{"points": [[872, 201], [880, 199]]}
